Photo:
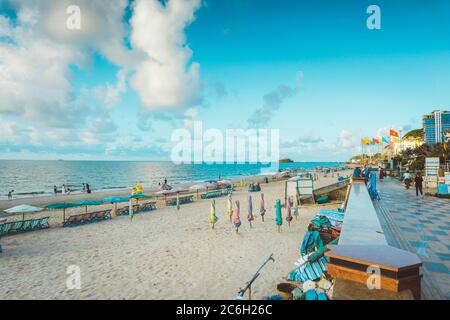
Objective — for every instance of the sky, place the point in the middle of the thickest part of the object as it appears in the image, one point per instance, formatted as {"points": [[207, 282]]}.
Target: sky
{"points": [[118, 87]]}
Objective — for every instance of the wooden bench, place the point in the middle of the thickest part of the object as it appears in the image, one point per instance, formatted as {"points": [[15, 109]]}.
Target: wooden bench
{"points": [[23, 226], [85, 218], [137, 208], [170, 202]]}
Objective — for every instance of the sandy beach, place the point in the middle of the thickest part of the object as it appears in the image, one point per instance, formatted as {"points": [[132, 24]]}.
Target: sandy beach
{"points": [[162, 254]]}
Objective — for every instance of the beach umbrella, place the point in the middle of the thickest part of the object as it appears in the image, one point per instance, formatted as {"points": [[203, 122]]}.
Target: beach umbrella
{"points": [[230, 207], [237, 218], [278, 215], [250, 216], [178, 201], [115, 200], [211, 185], [23, 208], [295, 209], [288, 212], [223, 183], [212, 213], [262, 210], [198, 187], [86, 203], [61, 205], [138, 196]]}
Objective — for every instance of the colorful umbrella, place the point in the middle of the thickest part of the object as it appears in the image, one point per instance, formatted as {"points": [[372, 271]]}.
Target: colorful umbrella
{"points": [[230, 208], [237, 218], [288, 212], [250, 216], [278, 215], [262, 210], [212, 213]]}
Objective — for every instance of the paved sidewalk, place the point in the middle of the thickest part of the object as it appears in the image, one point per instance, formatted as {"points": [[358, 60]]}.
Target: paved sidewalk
{"points": [[421, 225]]}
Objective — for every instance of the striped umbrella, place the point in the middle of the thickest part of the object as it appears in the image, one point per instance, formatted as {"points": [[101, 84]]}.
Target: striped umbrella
{"points": [[237, 218], [250, 216], [288, 212], [262, 210], [278, 215], [212, 213], [230, 207]]}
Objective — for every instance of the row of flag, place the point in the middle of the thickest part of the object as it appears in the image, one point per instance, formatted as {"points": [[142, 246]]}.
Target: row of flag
{"points": [[393, 138]]}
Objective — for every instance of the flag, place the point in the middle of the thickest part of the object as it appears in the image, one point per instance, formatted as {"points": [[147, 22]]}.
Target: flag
{"points": [[393, 133], [396, 140], [372, 143], [365, 141], [376, 141], [385, 140]]}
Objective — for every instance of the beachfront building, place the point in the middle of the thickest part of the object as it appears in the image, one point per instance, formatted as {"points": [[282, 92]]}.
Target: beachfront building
{"points": [[410, 140], [436, 126]]}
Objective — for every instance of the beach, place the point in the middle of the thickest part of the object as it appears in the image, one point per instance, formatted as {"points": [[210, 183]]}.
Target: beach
{"points": [[161, 254]]}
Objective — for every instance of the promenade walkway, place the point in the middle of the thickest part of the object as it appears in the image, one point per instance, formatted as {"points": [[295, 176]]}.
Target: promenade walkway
{"points": [[420, 225]]}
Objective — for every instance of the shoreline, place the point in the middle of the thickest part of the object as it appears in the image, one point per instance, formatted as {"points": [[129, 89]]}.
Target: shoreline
{"points": [[44, 200]]}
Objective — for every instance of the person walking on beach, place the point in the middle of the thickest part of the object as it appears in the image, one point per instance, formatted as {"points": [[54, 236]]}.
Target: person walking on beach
{"points": [[88, 188], [55, 190], [10, 194], [63, 189], [418, 181]]}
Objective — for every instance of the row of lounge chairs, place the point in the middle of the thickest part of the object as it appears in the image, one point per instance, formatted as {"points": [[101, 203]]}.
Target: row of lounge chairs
{"points": [[23, 226], [137, 208], [217, 193], [90, 217], [170, 202]]}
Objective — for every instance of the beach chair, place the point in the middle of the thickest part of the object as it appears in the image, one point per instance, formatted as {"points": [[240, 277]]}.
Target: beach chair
{"points": [[86, 218], [125, 211], [7, 228], [27, 225], [148, 206], [70, 221], [16, 226], [43, 223]]}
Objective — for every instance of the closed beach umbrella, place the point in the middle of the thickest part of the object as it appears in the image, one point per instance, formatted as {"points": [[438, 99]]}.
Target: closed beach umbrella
{"points": [[237, 218], [212, 213], [230, 207], [23, 208], [278, 215], [262, 210], [250, 216], [288, 212], [178, 201]]}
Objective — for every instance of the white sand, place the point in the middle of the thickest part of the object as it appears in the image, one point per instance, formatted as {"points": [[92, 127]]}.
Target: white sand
{"points": [[162, 254]]}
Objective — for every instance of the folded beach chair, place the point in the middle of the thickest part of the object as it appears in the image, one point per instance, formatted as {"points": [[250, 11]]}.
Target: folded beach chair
{"points": [[17, 226], [43, 223]]}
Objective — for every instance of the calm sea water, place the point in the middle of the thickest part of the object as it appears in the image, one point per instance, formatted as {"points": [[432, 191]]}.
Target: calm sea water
{"points": [[35, 178]]}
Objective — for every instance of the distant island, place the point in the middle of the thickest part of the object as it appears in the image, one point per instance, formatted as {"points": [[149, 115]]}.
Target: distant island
{"points": [[285, 160]]}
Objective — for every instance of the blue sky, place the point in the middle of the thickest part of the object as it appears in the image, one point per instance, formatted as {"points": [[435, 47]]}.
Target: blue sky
{"points": [[100, 97]]}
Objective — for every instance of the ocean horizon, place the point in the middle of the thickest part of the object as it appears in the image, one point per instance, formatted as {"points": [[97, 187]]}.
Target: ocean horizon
{"points": [[31, 178]]}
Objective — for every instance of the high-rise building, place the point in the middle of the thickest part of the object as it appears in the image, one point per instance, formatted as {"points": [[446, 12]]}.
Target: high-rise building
{"points": [[436, 126]]}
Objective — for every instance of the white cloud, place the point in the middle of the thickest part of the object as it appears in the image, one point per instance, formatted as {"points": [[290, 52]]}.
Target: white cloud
{"points": [[166, 78]]}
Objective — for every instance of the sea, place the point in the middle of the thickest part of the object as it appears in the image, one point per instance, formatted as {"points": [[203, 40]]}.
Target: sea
{"points": [[29, 178]]}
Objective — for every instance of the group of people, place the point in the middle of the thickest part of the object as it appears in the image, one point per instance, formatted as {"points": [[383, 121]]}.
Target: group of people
{"points": [[418, 181], [66, 190], [164, 185], [407, 178]]}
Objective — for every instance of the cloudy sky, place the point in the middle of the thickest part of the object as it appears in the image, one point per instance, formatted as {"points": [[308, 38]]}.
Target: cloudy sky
{"points": [[136, 70]]}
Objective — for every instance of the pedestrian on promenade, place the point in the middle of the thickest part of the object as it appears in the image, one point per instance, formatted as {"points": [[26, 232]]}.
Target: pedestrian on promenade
{"points": [[418, 180]]}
